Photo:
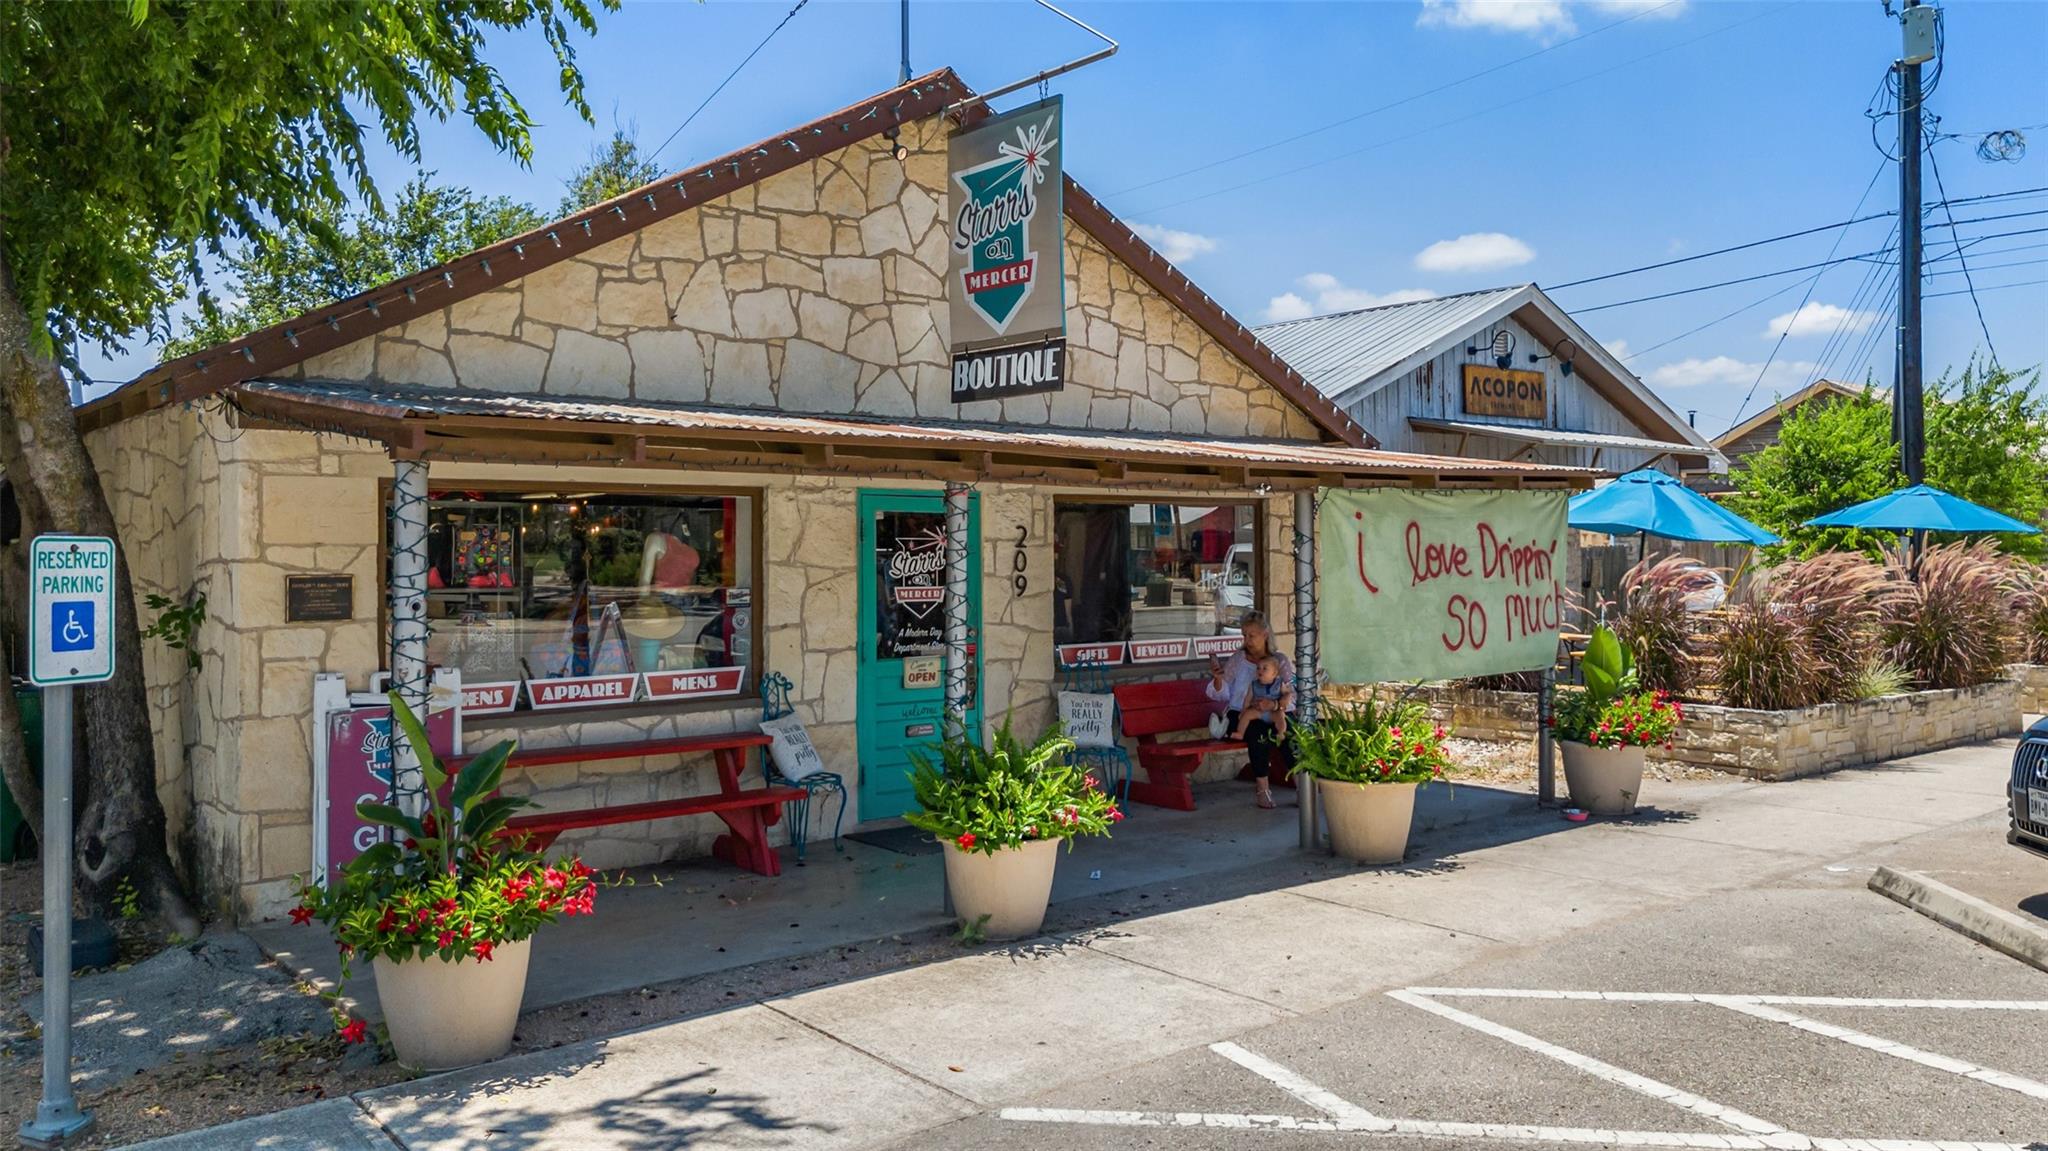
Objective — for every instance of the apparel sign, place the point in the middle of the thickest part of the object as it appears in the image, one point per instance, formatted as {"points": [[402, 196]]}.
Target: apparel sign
{"points": [[1440, 585], [1005, 271]]}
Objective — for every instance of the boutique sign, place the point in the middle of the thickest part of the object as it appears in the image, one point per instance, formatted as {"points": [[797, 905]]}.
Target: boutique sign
{"points": [[1005, 277]]}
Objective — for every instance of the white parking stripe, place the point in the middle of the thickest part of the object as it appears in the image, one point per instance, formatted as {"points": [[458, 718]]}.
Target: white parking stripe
{"points": [[1690, 997], [1889, 1047], [1642, 1084], [1577, 1136], [1312, 1094]]}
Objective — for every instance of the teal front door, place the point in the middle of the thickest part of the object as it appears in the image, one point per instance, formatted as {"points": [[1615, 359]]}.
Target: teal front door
{"points": [[902, 690]]}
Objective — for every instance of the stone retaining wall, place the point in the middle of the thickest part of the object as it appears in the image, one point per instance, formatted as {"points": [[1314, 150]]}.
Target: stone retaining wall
{"points": [[2033, 681], [1767, 744]]}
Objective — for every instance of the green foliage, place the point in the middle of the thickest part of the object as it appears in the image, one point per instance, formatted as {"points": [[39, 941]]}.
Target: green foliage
{"points": [[282, 274], [1372, 741], [988, 800], [1987, 441], [139, 141], [127, 901], [972, 934], [177, 624], [1879, 678], [1613, 710], [1608, 666], [1829, 455], [615, 168]]}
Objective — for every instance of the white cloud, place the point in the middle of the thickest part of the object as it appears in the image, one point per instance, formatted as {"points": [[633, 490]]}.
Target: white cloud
{"points": [[1474, 252], [1727, 371], [1547, 20], [1816, 319], [1331, 295], [1616, 348], [1177, 246]]}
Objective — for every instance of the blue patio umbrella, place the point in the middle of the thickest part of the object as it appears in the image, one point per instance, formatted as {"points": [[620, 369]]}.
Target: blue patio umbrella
{"points": [[1650, 503], [1922, 508]]}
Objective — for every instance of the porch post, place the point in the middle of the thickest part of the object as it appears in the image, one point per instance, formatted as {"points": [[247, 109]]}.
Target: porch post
{"points": [[1305, 646], [956, 605], [408, 619]]}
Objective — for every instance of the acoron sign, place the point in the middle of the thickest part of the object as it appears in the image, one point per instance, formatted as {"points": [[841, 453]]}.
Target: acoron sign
{"points": [[1491, 391]]}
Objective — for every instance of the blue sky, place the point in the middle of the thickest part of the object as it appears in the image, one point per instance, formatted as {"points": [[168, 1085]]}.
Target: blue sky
{"points": [[1634, 132]]}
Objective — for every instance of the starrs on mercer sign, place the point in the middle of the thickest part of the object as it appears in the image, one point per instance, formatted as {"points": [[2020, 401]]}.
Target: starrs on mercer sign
{"points": [[71, 610], [1005, 278]]}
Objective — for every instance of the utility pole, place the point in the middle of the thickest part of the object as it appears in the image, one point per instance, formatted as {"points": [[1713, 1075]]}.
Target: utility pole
{"points": [[1908, 420]]}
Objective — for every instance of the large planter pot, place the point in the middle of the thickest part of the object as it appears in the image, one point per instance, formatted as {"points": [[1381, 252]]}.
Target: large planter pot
{"points": [[1368, 821], [1603, 780], [444, 1014], [1011, 886]]}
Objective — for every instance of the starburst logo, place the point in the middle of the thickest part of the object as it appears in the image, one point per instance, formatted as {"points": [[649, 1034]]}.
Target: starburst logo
{"points": [[993, 224]]}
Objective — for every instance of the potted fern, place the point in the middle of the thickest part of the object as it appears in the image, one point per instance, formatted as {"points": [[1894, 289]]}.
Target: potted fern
{"points": [[1604, 727], [1367, 760], [445, 911], [1000, 813]]}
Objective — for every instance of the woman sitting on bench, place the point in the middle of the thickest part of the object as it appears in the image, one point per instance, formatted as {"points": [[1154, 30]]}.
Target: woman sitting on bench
{"points": [[1260, 721]]}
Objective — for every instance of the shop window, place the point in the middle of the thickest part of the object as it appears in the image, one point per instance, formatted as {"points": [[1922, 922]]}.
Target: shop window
{"points": [[555, 586], [1152, 583]]}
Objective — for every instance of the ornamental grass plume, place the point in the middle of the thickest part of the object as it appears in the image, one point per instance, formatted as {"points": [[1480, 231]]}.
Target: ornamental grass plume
{"points": [[1655, 624], [1764, 658], [2030, 612], [1951, 627], [1837, 600]]}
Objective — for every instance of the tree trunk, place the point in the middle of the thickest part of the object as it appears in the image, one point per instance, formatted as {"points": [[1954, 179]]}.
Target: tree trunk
{"points": [[121, 829]]}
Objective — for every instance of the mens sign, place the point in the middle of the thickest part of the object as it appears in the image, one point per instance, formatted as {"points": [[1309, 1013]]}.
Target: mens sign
{"points": [[71, 610]]}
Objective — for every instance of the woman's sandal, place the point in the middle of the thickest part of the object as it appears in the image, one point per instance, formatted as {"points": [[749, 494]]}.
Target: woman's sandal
{"points": [[1265, 800]]}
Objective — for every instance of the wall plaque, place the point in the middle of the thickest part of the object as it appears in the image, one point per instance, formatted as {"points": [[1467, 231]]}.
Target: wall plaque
{"points": [[1491, 391], [319, 598]]}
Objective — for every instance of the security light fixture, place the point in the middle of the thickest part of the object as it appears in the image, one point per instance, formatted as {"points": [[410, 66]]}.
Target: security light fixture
{"points": [[1503, 348], [1564, 351], [896, 148]]}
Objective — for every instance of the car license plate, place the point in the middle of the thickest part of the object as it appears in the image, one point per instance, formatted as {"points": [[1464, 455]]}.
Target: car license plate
{"points": [[2037, 805]]}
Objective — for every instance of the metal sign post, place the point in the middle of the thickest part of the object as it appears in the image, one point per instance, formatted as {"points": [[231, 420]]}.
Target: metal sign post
{"points": [[71, 614]]}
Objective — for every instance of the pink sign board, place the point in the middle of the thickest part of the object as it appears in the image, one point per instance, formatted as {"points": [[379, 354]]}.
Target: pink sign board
{"points": [[1159, 650], [359, 771], [582, 691], [1105, 654]]}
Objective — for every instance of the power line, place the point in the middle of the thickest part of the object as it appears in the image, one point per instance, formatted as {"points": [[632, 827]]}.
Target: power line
{"points": [[1410, 99], [1722, 251], [728, 79], [1743, 408], [1523, 99], [1717, 320], [1875, 280], [1986, 288], [1934, 162]]}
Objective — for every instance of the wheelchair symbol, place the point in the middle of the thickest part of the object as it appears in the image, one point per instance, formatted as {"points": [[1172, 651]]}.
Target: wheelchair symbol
{"points": [[71, 625]]}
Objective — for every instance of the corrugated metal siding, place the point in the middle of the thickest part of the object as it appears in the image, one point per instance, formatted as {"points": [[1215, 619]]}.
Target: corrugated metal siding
{"points": [[1334, 353], [1435, 390]]}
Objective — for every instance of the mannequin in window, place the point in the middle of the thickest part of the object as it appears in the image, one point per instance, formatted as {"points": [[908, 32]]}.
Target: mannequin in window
{"points": [[667, 559]]}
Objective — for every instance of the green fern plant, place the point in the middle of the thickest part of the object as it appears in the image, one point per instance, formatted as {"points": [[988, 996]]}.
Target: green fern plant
{"points": [[987, 799]]}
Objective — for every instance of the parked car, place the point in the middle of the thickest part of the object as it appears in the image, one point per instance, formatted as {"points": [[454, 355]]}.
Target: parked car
{"points": [[1234, 595], [2027, 798]]}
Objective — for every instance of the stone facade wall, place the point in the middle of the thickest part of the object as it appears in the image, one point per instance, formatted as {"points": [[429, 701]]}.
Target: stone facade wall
{"points": [[2033, 681], [1766, 744], [820, 289]]}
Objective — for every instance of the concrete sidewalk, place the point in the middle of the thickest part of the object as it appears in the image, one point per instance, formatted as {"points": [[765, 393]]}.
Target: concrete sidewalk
{"points": [[871, 1061]]}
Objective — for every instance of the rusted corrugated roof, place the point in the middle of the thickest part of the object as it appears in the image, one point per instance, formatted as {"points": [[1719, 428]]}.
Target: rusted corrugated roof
{"points": [[429, 406]]}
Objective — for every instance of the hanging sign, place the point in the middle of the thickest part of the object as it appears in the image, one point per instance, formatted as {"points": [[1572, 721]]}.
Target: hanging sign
{"points": [[696, 683], [1440, 585], [71, 610], [1005, 275], [921, 672], [1491, 391]]}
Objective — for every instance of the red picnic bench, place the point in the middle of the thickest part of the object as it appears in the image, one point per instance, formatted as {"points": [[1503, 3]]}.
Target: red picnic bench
{"points": [[747, 813], [1150, 710]]}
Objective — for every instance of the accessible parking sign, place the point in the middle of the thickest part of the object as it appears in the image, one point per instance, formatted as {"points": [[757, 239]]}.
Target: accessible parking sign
{"points": [[71, 609]]}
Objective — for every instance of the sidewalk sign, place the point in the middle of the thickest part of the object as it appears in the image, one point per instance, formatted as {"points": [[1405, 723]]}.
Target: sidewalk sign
{"points": [[70, 641], [352, 759]]}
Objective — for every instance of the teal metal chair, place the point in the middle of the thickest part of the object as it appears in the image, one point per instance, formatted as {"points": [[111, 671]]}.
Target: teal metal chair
{"points": [[1112, 763], [775, 704]]}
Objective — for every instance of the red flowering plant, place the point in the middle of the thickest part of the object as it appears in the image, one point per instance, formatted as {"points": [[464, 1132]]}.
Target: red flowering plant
{"points": [[1371, 742], [1612, 710], [448, 884], [985, 800]]}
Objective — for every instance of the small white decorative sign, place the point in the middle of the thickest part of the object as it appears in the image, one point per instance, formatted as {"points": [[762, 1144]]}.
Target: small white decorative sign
{"points": [[1088, 718]]}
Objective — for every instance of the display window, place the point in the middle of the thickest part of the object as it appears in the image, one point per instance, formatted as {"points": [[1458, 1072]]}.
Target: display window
{"points": [[553, 600], [1152, 583]]}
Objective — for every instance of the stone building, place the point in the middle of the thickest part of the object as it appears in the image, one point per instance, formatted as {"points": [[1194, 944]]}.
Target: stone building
{"points": [[703, 428]]}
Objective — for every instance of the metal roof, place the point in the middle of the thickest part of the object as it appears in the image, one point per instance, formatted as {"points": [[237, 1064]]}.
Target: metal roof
{"points": [[1338, 352], [308, 403], [1554, 437]]}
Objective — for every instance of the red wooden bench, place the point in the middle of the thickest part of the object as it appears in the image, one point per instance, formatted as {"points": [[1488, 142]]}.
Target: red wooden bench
{"points": [[747, 813], [1150, 710]]}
